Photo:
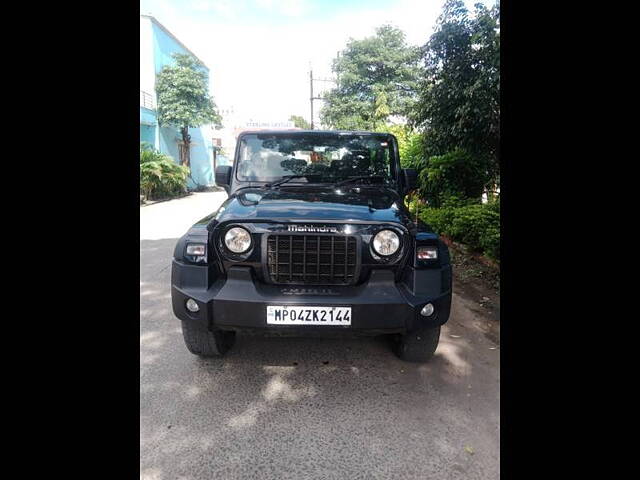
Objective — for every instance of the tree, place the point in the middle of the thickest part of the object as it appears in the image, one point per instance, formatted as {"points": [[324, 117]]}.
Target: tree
{"points": [[459, 97], [381, 109], [377, 78], [184, 101], [453, 177], [299, 122]]}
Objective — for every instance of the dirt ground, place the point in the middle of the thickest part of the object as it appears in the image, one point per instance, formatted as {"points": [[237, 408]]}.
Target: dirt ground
{"points": [[477, 279]]}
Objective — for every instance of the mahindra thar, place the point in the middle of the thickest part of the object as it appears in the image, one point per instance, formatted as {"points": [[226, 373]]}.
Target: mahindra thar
{"points": [[314, 238]]}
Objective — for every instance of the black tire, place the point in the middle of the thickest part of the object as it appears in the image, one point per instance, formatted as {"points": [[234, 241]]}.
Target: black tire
{"points": [[419, 345], [206, 343]]}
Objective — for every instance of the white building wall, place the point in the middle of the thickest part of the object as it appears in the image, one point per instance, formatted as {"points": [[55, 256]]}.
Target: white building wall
{"points": [[147, 68]]}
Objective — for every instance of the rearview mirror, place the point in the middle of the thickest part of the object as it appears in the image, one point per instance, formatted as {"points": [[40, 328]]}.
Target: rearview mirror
{"points": [[410, 177], [223, 176]]}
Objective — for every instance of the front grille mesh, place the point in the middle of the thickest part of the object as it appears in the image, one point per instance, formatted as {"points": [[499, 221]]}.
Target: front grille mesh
{"points": [[312, 259]]}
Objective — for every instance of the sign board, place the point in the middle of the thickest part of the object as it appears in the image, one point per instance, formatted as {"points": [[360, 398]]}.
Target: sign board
{"points": [[251, 124]]}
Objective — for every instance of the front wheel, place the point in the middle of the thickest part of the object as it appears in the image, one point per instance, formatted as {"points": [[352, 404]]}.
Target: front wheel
{"points": [[418, 345], [205, 343]]}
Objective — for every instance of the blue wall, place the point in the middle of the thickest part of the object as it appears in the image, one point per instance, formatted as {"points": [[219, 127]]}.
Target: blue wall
{"points": [[169, 138], [147, 134], [201, 147]]}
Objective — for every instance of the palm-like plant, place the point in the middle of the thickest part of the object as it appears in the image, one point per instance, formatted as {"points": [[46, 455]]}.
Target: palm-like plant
{"points": [[160, 176]]}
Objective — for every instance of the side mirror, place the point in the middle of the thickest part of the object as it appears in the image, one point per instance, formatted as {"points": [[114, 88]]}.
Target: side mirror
{"points": [[223, 176], [410, 177]]}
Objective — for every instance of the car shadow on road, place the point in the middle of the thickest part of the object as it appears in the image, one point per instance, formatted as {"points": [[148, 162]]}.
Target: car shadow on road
{"points": [[276, 371], [352, 392]]}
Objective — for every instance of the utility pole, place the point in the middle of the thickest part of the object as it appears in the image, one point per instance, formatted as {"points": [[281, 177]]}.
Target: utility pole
{"points": [[311, 97]]}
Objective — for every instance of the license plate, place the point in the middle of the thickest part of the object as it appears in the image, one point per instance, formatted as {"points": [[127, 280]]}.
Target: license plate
{"points": [[292, 315]]}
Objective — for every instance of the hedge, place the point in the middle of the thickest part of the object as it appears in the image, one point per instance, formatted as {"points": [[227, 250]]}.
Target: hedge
{"points": [[476, 225]]}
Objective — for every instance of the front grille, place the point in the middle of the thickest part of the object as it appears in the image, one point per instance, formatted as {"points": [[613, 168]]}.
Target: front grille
{"points": [[312, 259]]}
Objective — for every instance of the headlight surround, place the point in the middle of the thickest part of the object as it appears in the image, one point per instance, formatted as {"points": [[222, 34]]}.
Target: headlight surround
{"points": [[386, 242], [237, 240]]}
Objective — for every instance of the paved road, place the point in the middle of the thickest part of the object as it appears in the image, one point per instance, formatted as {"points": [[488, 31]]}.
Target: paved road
{"points": [[279, 408]]}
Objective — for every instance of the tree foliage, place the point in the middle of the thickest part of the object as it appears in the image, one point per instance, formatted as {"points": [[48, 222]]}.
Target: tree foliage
{"points": [[299, 122], [409, 144], [376, 79], [459, 96], [452, 178], [183, 98], [183, 94]]}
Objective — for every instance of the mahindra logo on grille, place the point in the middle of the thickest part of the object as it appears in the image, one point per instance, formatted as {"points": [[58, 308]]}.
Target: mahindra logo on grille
{"points": [[312, 228]]}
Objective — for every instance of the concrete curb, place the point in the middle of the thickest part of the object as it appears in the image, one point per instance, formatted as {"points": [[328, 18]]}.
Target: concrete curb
{"points": [[153, 202]]}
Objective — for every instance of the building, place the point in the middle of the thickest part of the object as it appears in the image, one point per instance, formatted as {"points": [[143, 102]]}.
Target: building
{"points": [[157, 44]]}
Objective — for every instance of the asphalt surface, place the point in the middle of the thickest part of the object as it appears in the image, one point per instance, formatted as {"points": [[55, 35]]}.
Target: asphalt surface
{"points": [[302, 408]]}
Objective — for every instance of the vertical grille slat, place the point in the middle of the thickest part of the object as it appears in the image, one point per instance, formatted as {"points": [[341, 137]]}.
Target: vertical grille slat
{"points": [[317, 259], [333, 251], [312, 259], [304, 256], [277, 269], [346, 257], [290, 256]]}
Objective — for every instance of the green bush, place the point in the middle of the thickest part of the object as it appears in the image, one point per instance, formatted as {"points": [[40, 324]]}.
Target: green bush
{"points": [[160, 176], [476, 225], [456, 175]]}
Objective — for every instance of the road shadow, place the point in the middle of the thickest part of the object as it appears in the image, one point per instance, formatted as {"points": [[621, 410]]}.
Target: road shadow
{"points": [[347, 402]]}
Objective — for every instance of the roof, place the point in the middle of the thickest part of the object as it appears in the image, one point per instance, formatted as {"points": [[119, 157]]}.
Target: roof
{"points": [[298, 131], [166, 30]]}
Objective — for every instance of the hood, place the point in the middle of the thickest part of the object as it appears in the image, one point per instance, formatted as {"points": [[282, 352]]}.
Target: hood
{"points": [[295, 205]]}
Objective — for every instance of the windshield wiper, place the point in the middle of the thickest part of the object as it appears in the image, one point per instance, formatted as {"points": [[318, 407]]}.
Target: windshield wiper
{"points": [[284, 179], [357, 179]]}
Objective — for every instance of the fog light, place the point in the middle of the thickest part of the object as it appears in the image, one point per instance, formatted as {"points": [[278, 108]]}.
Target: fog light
{"points": [[192, 305], [427, 253], [427, 310], [196, 249]]}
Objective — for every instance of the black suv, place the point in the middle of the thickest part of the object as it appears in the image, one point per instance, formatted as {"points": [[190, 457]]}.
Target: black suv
{"points": [[313, 239]]}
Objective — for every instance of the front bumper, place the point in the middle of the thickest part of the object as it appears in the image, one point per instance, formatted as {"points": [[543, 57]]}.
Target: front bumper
{"points": [[378, 306]]}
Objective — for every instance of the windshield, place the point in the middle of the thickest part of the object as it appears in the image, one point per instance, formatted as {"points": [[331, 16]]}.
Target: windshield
{"points": [[323, 158]]}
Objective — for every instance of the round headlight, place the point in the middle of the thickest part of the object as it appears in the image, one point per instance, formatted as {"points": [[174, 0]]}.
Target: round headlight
{"points": [[238, 240], [386, 242]]}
